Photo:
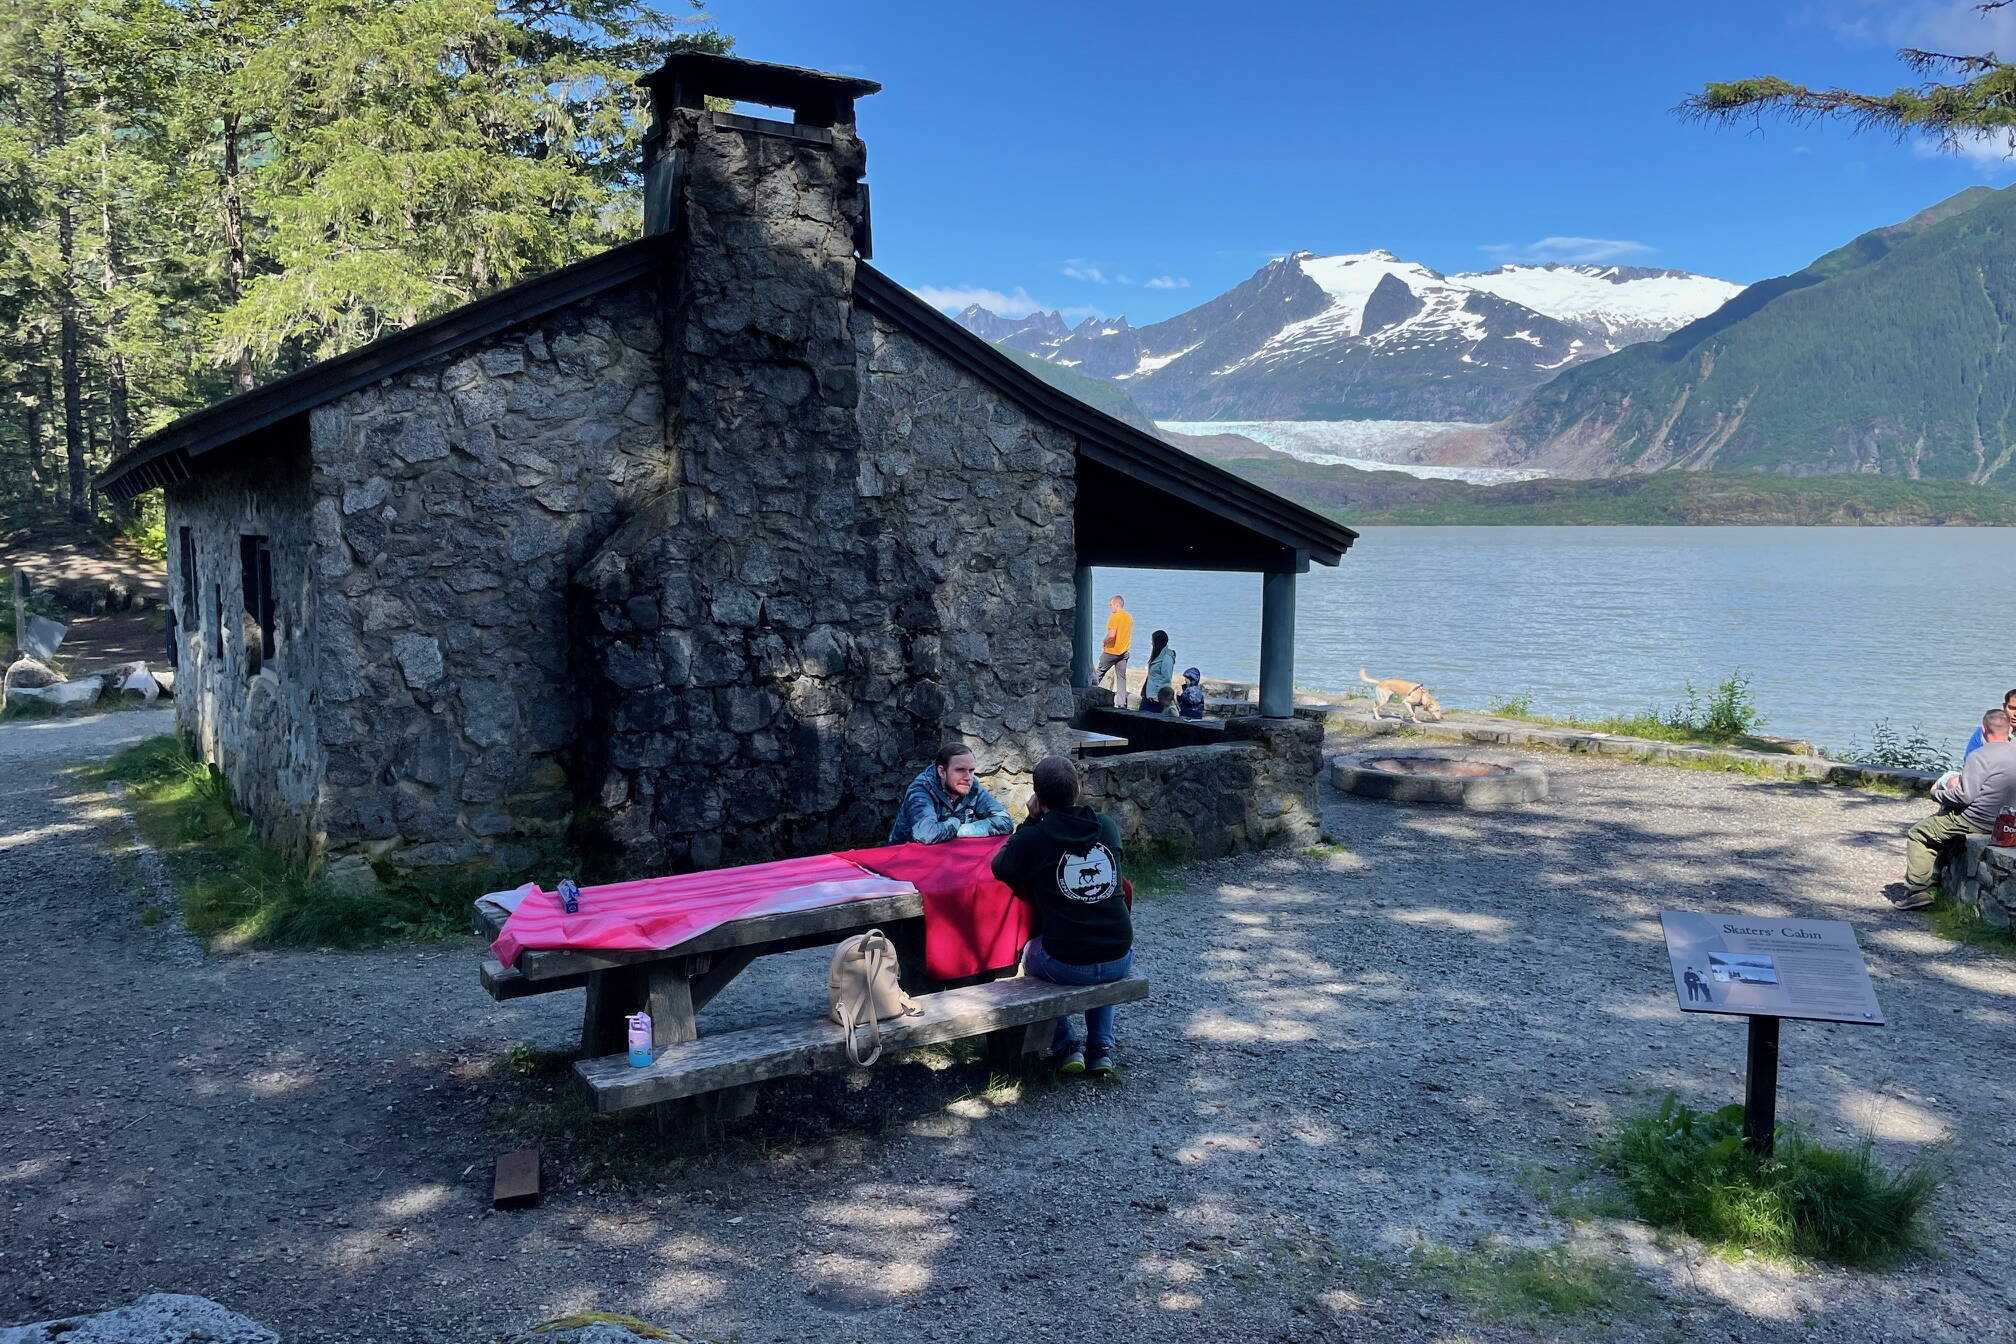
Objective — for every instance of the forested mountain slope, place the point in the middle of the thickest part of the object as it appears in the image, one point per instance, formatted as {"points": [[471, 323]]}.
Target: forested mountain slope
{"points": [[1890, 355]]}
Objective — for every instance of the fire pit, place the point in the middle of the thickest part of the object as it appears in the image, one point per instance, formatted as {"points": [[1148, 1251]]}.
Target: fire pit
{"points": [[1450, 776]]}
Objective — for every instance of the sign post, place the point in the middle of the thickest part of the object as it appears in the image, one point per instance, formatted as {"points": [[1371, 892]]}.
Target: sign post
{"points": [[1768, 970]]}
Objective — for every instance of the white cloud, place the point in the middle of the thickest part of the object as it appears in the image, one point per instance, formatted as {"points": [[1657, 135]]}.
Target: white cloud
{"points": [[1170, 282], [1084, 270], [1559, 248], [1992, 154], [1952, 26], [952, 298]]}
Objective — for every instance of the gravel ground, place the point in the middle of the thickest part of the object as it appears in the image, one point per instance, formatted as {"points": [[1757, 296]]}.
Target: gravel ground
{"points": [[1345, 1055]]}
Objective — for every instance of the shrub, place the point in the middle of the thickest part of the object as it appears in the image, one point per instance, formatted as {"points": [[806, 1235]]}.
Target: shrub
{"points": [[1518, 706], [1692, 1171], [1894, 749]]}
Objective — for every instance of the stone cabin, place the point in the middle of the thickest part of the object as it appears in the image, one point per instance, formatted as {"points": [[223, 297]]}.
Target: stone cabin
{"points": [[696, 549]]}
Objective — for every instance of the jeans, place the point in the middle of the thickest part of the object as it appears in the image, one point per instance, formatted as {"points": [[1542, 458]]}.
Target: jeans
{"points": [[1098, 1021]]}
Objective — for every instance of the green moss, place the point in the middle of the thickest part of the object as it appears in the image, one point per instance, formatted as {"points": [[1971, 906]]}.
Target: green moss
{"points": [[1691, 1171]]}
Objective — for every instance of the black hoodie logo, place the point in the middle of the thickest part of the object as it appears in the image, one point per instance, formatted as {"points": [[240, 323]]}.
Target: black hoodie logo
{"points": [[1089, 877]]}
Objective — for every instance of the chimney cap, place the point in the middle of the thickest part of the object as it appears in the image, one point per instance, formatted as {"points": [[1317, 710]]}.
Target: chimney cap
{"points": [[689, 78]]}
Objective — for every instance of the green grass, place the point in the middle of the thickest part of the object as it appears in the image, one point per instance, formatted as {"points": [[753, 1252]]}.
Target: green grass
{"points": [[1496, 1281], [1155, 870], [1690, 1171], [1959, 922], [238, 891], [1725, 715]]}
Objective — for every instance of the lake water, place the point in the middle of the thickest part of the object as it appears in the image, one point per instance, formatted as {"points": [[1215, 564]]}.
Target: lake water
{"points": [[1838, 627]]}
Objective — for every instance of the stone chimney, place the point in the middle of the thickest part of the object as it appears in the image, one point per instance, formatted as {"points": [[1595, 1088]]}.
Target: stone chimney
{"points": [[749, 670], [765, 219]]}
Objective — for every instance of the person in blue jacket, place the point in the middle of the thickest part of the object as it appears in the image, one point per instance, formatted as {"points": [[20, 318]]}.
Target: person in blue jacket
{"points": [[945, 802], [1974, 742]]}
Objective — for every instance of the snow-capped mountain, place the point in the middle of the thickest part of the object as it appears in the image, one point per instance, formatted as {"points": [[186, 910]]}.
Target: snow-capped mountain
{"points": [[1368, 335]]}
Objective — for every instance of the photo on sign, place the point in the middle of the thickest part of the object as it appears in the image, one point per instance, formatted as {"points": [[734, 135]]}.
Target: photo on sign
{"points": [[1744, 968]]}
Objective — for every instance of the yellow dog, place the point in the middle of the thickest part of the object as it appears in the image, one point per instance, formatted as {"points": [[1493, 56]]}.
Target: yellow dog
{"points": [[1412, 696]]}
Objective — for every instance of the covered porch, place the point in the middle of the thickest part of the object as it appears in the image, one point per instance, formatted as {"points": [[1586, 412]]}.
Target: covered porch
{"points": [[1165, 520]]}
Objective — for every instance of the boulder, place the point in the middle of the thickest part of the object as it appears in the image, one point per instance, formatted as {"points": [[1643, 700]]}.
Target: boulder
{"points": [[133, 677], [159, 1318], [64, 694], [26, 671]]}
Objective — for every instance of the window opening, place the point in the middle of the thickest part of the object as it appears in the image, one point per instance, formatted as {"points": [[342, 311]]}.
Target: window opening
{"points": [[255, 558], [192, 602]]}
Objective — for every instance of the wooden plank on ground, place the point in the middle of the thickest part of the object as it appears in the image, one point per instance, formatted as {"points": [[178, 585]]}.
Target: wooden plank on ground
{"points": [[515, 1184], [761, 1053], [836, 920]]}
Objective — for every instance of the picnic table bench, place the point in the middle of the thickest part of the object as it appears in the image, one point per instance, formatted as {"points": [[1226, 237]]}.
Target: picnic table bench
{"points": [[674, 984]]}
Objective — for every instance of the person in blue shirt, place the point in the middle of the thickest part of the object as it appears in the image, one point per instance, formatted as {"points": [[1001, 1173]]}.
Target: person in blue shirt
{"points": [[945, 802], [1974, 742]]}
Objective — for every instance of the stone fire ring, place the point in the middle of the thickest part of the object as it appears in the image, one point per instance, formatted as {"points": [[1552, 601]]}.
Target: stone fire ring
{"points": [[1451, 776]]}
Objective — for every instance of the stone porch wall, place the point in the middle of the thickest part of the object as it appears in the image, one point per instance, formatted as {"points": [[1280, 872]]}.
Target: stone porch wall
{"points": [[255, 728], [1983, 876], [451, 503], [1256, 789]]}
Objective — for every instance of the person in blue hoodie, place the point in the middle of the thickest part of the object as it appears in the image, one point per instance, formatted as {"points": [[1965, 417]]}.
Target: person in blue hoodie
{"points": [[945, 802], [1974, 742]]}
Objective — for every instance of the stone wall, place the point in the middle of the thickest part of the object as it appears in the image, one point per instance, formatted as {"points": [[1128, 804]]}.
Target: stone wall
{"points": [[1256, 789], [451, 503], [253, 725], [1983, 876], [867, 552]]}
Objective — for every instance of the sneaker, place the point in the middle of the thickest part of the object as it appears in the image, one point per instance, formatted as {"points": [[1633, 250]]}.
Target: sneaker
{"points": [[1100, 1065], [1902, 897], [1071, 1062]]}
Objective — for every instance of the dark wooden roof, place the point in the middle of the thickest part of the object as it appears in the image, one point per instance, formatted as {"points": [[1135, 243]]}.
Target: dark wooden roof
{"points": [[1131, 452], [1206, 492], [165, 455]]}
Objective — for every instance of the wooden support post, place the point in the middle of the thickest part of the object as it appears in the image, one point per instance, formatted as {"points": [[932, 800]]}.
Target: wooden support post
{"points": [[669, 1000], [612, 995], [1007, 1048], [1760, 1087], [1277, 644], [907, 937]]}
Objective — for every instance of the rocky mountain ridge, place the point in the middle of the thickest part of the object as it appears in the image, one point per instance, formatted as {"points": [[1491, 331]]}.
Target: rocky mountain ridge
{"points": [[1367, 336]]}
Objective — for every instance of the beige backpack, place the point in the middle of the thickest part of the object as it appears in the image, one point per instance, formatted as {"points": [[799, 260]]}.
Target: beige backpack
{"points": [[862, 989]]}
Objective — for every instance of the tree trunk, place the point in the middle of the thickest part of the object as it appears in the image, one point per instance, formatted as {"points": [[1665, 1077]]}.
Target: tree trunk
{"points": [[69, 340], [120, 415], [234, 237]]}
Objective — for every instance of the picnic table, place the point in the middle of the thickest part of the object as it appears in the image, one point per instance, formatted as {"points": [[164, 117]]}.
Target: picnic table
{"points": [[674, 984]]}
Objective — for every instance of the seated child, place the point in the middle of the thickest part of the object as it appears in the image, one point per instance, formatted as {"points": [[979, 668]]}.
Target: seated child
{"points": [[1190, 700]]}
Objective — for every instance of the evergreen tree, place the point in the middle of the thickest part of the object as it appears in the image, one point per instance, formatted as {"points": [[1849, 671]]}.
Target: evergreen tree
{"points": [[199, 194], [1978, 101]]}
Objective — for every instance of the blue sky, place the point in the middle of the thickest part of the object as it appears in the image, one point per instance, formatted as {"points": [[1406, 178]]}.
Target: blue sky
{"points": [[1135, 158]]}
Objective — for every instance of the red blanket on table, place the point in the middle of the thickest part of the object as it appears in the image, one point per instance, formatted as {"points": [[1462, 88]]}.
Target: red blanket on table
{"points": [[660, 912], [972, 921]]}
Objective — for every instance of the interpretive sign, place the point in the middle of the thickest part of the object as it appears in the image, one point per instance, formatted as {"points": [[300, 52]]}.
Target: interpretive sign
{"points": [[1751, 967]]}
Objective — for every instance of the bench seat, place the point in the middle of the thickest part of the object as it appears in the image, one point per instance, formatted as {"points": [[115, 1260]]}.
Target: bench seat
{"points": [[757, 1054]]}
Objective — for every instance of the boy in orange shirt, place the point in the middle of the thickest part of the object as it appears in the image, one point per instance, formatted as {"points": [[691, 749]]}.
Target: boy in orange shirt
{"points": [[1113, 653]]}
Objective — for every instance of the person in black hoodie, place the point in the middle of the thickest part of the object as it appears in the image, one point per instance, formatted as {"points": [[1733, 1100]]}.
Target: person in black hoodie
{"points": [[1065, 861]]}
